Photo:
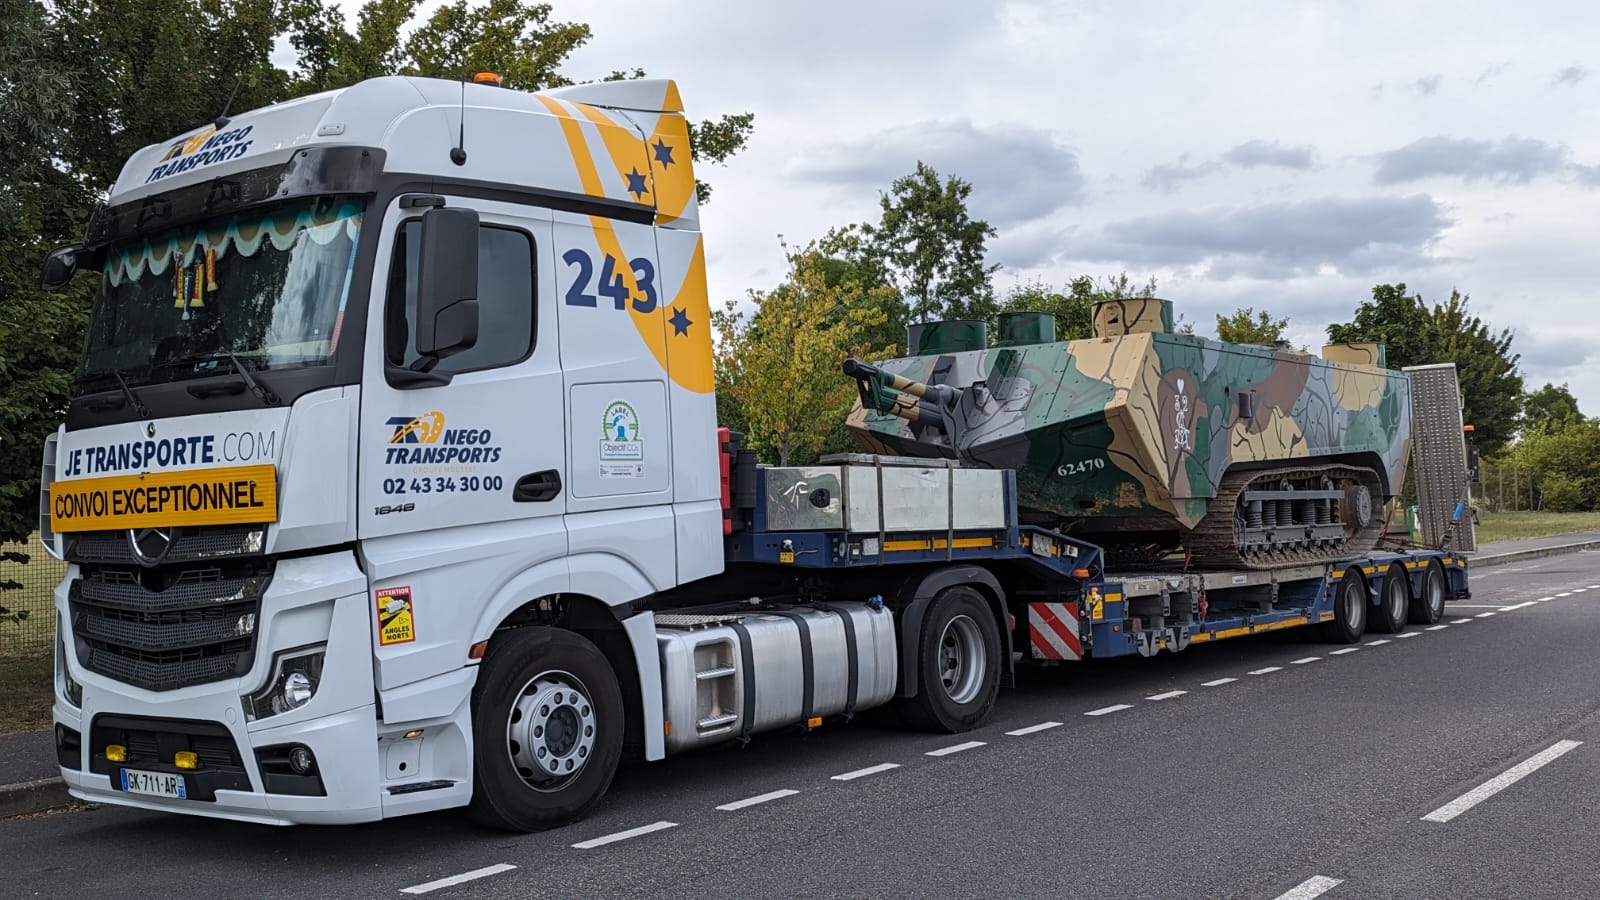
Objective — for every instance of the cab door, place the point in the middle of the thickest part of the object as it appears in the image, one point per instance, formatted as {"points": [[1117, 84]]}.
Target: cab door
{"points": [[463, 486]]}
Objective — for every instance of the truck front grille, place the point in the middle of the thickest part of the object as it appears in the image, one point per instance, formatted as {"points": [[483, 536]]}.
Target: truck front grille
{"points": [[169, 626]]}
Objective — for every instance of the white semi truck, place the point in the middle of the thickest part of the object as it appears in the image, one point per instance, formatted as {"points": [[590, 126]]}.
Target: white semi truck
{"points": [[393, 483]]}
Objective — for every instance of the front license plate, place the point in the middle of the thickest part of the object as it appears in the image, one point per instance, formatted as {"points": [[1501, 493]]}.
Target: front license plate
{"points": [[156, 784]]}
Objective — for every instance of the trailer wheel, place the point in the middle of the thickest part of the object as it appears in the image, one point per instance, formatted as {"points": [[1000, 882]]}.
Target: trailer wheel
{"points": [[1427, 608], [1349, 609], [547, 725], [1395, 606], [958, 654]]}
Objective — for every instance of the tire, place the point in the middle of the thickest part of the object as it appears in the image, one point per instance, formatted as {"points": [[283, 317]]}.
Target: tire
{"points": [[547, 729], [1394, 604], [1349, 609], [1427, 608], [958, 664]]}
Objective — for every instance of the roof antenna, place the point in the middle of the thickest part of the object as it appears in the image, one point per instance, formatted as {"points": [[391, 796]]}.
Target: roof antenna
{"points": [[458, 153], [222, 120]]}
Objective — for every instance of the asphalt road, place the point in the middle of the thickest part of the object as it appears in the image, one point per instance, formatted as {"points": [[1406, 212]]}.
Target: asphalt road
{"points": [[1460, 762]]}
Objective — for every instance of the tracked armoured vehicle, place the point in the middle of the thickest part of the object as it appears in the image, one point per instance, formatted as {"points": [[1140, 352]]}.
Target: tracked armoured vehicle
{"points": [[1152, 441]]}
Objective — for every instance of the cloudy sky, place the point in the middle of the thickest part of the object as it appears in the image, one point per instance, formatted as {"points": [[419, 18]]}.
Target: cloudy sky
{"points": [[1285, 155]]}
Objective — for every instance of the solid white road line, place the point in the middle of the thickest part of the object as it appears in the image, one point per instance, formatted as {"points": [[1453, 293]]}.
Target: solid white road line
{"points": [[1301, 662], [1378, 643], [1315, 886], [454, 880], [1268, 670], [1483, 615], [758, 799], [1218, 682], [624, 835], [1168, 695], [869, 770], [1042, 726], [946, 751], [1500, 782], [1440, 627], [1108, 709]]}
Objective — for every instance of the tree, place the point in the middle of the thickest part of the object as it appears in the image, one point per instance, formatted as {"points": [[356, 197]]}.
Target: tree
{"points": [[1565, 461], [1548, 408], [781, 363], [1418, 334], [932, 248], [1074, 310], [1246, 326]]}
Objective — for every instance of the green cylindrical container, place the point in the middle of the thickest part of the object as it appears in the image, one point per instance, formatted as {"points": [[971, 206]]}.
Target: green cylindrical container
{"points": [[1019, 329], [949, 336]]}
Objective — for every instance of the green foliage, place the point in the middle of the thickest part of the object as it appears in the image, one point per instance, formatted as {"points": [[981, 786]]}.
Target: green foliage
{"points": [[932, 248], [1246, 326], [1565, 461], [1074, 310], [1549, 407], [1418, 334], [781, 364], [714, 140]]}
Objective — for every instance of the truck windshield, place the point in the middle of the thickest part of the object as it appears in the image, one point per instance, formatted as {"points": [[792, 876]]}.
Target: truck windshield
{"points": [[268, 286]]}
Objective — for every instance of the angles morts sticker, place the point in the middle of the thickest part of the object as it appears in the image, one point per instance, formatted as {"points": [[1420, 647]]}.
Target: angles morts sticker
{"points": [[396, 621]]}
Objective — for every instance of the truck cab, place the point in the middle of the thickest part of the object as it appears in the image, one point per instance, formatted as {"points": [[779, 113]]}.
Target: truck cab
{"points": [[371, 375]]}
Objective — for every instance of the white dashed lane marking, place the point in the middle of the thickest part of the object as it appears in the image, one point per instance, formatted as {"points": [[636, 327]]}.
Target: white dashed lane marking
{"points": [[1502, 781], [1268, 670], [1033, 728], [1301, 662], [1312, 887], [1218, 682], [1483, 615], [862, 773], [1104, 710], [956, 748], [758, 799], [1377, 643], [624, 835], [1167, 695], [1406, 634], [454, 880], [1437, 627], [1344, 651]]}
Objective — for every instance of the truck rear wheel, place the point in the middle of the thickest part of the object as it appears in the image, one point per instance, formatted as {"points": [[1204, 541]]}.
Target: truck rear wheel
{"points": [[1391, 614], [1427, 608], [547, 725], [958, 660], [1349, 609]]}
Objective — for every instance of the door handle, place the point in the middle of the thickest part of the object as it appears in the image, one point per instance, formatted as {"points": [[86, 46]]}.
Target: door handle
{"points": [[538, 487]]}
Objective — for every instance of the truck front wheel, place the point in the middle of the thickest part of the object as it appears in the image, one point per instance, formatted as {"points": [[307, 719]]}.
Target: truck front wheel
{"points": [[547, 723], [958, 660]]}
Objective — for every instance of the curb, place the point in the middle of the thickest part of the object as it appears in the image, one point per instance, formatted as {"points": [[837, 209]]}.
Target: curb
{"points": [[50, 793], [1500, 559], [32, 797]]}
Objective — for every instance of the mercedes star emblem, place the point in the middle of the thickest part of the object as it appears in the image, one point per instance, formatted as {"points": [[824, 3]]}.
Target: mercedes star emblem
{"points": [[150, 545]]}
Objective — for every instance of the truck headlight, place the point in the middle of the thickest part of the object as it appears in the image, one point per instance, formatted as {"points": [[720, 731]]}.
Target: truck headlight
{"points": [[71, 691], [295, 675]]}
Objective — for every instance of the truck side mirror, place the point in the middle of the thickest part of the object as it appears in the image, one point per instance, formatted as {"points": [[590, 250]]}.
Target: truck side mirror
{"points": [[59, 266], [447, 285]]}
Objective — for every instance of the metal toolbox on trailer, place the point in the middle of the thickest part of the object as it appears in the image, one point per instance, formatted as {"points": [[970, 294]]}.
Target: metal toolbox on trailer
{"points": [[859, 492]]}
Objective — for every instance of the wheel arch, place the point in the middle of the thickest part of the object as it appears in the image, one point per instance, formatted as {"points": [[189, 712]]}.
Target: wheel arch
{"points": [[918, 591]]}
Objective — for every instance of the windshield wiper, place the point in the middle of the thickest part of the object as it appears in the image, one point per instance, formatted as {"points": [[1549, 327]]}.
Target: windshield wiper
{"points": [[138, 405], [262, 392]]}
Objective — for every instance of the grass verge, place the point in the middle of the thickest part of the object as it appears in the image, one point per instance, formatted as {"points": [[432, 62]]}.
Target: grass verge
{"points": [[29, 690], [1510, 526]]}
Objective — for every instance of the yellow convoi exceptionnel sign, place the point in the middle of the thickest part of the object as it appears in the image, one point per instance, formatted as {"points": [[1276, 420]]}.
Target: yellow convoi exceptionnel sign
{"points": [[233, 495]]}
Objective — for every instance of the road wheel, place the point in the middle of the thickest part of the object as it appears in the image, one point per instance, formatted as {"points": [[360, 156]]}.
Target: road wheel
{"points": [[547, 724], [958, 660], [1427, 608], [1349, 609], [1395, 606]]}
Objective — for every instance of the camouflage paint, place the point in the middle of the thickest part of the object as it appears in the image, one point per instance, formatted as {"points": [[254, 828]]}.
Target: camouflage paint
{"points": [[1134, 431]]}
